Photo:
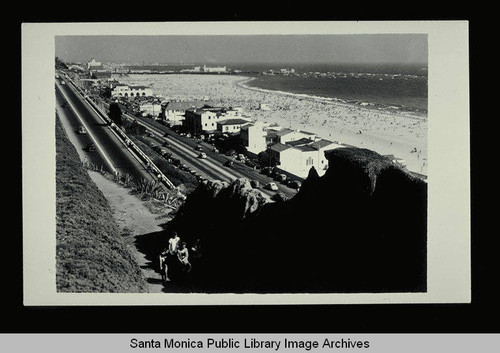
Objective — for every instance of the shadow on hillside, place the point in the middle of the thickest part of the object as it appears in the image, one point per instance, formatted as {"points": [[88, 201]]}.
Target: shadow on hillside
{"points": [[151, 245]]}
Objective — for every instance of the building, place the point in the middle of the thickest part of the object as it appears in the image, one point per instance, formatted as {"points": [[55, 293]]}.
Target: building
{"points": [[253, 137], [298, 156], [131, 91], [199, 120], [214, 69], [287, 135], [232, 126], [150, 108], [174, 112]]}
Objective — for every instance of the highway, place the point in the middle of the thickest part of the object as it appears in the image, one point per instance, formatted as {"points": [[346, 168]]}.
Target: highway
{"points": [[212, 167], [115, 156], [110, 152]]}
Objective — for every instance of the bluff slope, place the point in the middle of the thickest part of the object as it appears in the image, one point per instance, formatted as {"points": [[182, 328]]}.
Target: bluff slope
{"points": [[362, 227]]}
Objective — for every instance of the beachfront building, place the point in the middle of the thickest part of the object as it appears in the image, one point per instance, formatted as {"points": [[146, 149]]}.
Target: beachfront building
{"points": [[253, 137], [214, 69], [297, 157], [199, 120], [232, 126], [286, 135], [131, 91], [174, 112], [150, 108]]}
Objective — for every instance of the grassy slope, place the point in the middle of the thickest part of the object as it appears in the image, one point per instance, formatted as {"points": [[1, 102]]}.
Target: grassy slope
{"points": [[91, 256]]}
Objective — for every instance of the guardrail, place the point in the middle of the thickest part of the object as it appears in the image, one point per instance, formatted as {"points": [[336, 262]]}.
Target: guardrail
{"points": [[125, 139]]}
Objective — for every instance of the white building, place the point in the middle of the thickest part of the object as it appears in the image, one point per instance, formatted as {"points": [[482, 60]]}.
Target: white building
{"points": [[131, 91], [287, 135], [198, 120], [215, 69], [232, 126], [297, 157], [175, 111], [253, 136], [150, 108]]}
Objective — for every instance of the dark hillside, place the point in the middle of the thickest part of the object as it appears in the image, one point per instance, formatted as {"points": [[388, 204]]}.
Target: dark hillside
{"points": [[360, 228]]}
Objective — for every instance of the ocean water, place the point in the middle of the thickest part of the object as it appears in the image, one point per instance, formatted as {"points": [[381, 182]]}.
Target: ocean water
{"points": [[400, 86], [404, 87]]}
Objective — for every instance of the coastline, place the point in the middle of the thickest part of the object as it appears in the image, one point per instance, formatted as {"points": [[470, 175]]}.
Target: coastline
{"points": [[332, 100], [401, 134]]}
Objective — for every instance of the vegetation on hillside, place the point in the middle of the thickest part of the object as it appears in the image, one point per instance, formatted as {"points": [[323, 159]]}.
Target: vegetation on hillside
{"points": [[90, 254]]}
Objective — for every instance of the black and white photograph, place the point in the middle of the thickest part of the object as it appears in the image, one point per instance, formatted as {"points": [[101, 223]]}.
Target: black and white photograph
{"points": [[282, 163]]}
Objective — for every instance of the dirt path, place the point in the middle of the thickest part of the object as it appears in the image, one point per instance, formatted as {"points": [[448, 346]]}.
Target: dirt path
{"points": [[140, 227]]}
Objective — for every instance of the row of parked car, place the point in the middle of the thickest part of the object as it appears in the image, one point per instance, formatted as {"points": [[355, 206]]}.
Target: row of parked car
{"points": [[176, 162], [281, 177]]}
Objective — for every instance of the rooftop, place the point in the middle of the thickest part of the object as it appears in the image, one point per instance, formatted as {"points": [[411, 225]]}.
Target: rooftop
{"points": [[185, 105], [232, 122], [302, 141], [321, 143], [279, 147]]}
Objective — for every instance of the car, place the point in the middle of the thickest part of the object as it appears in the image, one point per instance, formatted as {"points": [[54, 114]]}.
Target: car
{"points": [[184, 167], [216, 150], [255, 184], [294, 184], [202, 155], [267, 170], [241, 157], [198, 148], [228, 163], [166, 144], [192, 171], [231, 153], [280, 177], [271, 186], [250, 163], [81, 130]]}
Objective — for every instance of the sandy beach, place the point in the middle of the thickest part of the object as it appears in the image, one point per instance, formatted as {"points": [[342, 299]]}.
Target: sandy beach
{"points": [[386, 132]]}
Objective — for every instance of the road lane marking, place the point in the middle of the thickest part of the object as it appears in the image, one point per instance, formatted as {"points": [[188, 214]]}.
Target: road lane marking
{"points": [[98, 146]]}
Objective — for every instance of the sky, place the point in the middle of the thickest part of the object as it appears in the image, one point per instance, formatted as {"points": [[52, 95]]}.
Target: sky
{"points": [[186, 49]]}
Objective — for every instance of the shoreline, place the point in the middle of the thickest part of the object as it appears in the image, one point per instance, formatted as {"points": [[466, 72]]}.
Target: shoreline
{"points": [[331, 100], [385, 132]]}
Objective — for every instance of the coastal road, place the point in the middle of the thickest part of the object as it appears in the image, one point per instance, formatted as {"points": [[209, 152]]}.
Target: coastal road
{"points": [[211, 167], [110, 152]]}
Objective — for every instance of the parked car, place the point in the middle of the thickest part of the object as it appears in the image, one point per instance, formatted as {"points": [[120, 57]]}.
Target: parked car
{"points": [[250, 163], [255, 184], [280, 177], [241, 157], [294, 184], [166, 144], [271, 186], [81, 130], [231, 153], [228, 163], [202, 155], [198, 148], [216, 150], [266, 170]]}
